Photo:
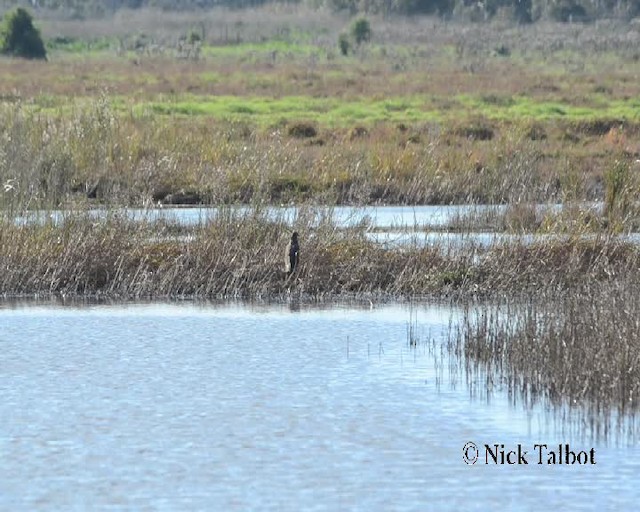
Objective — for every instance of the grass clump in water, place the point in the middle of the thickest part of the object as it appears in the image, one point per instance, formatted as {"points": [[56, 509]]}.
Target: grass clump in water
{"points": [[579, 348]]}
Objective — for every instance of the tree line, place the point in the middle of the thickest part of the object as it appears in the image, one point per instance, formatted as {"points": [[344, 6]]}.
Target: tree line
{"points": [[523, 11]]}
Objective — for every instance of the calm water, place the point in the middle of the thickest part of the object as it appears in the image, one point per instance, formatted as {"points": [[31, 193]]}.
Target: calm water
{"points": [[381, 217], [240, 407]]}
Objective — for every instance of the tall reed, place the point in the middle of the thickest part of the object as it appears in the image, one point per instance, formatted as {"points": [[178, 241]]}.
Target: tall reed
{"points": [[581, 347], [96, 149]]}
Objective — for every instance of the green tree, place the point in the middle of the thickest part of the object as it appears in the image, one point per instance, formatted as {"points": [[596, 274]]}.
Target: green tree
{"points": [[20, 38], [361, 30]]}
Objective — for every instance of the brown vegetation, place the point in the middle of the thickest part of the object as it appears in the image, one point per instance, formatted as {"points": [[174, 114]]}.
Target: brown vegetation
{"points": [[93, 151], [239, 254], [575, 349]]}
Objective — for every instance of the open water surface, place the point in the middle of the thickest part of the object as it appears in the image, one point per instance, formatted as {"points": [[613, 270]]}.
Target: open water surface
{"points": [[197, 406]]}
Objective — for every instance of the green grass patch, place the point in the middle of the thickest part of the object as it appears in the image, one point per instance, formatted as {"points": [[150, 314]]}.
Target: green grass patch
{"points": [[335, 112], [528, 108], [244, 50], [69, 44], [267, 111]]}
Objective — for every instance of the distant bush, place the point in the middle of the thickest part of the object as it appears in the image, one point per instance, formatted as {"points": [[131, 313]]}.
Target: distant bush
{"points": [[302, 130], [443, 8], [194, 37], [536, 132], [569, 10], [20, 38], [358, 132], [476, 131], [344, 44], [361, 31], [502, 51]]}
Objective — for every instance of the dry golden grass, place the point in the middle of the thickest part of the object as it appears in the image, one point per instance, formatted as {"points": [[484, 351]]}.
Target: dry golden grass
{"points": [[145, 76]]}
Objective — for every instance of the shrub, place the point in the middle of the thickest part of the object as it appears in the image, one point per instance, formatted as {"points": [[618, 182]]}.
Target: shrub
{"points": [[194, 37], [361, 31], [303, 130], [20, 38], [358, 132], [475, 131], [569, 10], [344, 44]]}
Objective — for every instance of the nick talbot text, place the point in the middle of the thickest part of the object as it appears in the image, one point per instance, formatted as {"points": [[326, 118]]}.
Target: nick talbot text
{"points": [[499, 454], [541, 454]]}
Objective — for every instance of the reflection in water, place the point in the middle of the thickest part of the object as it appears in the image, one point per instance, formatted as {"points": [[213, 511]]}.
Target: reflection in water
{"points": [[587, 422], [288, 406]]}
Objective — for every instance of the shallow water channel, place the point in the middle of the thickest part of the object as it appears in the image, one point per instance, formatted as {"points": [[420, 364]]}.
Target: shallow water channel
{"points": [[390, 226], [378, 217], [199, 406]]}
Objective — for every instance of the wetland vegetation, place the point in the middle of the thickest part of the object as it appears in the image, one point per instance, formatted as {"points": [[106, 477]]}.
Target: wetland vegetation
{"points": [[262, 107], [426, 112]]}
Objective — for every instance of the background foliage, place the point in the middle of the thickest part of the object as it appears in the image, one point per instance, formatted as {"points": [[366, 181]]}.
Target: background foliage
{"points": [[19, 37], [521, 10]]}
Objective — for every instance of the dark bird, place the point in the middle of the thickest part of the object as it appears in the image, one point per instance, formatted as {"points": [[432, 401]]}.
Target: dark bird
{"points": [[292, 255]]}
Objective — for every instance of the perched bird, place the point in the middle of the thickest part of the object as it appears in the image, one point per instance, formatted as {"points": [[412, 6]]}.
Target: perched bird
{"points": [[292, 255]]}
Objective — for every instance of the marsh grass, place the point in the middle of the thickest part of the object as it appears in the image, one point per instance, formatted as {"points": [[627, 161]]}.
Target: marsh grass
{"points": [[618, 215], [94, 149], [231, 254], [571, 349], [240, 253], [621, 189], [516, 218], [558, 263]]}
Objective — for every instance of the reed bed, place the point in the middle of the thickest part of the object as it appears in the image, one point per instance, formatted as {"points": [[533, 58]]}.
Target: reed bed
{"points": [[230, 255], [102, 151], [559, 263], [241, 253], [573, 349], [95, 151]]}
